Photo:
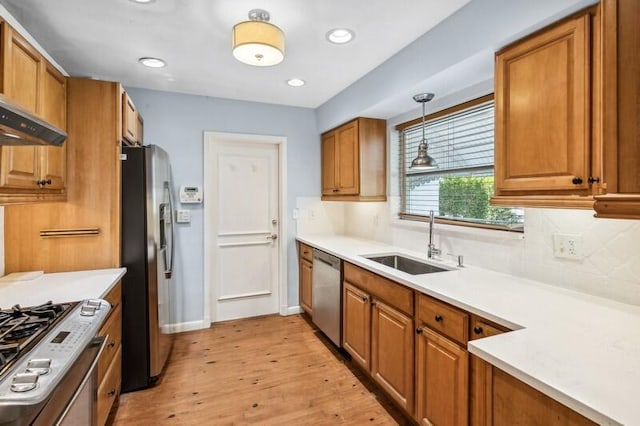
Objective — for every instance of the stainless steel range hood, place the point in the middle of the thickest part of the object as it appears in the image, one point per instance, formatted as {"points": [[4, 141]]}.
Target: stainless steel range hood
{"points": [[19, 127]]}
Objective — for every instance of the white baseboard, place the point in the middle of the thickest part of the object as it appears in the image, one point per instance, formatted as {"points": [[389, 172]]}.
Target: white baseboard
{"points": [[291, 310], [187, 326]]}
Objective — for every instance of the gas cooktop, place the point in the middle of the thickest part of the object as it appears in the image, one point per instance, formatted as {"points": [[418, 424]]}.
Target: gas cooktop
{"points": [[21, 328]]}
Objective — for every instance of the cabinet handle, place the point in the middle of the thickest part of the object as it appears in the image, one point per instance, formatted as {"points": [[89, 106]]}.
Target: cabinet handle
{"points": [[593, 180], [438, 318], [335, 190], [419, 330], [576, 180], [44, 182], [373, 303], [111, 392], [477, 330], [112, 343]]}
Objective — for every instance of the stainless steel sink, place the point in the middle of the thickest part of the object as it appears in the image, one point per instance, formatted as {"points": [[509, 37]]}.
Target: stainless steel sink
{"points": [[406, 264]]}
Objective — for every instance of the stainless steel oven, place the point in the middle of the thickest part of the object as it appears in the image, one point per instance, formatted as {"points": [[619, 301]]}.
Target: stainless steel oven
{"points": [[48, 373], [74, 401]]}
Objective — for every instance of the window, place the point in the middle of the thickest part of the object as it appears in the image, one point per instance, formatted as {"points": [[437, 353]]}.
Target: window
{"points": [[461, 141]]}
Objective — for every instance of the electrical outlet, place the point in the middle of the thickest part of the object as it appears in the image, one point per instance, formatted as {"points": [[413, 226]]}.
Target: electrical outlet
{"points": [[567, 246]]}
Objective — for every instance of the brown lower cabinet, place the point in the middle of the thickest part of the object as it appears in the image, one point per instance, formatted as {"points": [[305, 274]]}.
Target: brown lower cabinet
{"points": [[442, 381], [379, 335], [512, 402], [110, 362], [305, 290], [450, 386]]}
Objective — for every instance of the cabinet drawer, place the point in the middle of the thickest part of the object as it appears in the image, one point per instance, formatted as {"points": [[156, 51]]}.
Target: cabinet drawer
{"points": [[394, 294], [114, 296], [306, 252], [481, 328], [443, 318], [109, 388], [112, 328]]}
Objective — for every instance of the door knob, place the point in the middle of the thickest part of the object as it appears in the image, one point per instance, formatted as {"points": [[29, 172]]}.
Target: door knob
{"points": [[272, 237]]}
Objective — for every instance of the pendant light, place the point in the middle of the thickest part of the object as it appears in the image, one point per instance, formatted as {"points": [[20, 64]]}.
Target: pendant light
{"points": [[423, 161], [257, 41]]}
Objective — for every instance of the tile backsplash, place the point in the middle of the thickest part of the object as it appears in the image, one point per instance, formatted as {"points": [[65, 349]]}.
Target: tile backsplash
{"points": [[610, 266]]}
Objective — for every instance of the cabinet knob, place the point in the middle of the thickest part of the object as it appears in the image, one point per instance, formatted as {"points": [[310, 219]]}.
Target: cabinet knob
{"points": [[576, 180], [438, 318], [419, 330], [365, 298], [477, 330], [111, 392], [112, 343]]}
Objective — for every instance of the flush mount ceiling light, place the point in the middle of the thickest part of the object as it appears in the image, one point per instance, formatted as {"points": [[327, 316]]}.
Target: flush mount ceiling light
{"points": [[143, 1], [258, 42], [340, 35], [152, 62], [295, 82], [423, 161]]}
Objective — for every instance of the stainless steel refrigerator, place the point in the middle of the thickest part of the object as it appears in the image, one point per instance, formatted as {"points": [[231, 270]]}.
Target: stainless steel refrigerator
{"points": [[147, 253]]}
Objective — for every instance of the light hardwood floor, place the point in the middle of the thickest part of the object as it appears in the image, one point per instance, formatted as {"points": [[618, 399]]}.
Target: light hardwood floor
{"points": [[265, 371]]}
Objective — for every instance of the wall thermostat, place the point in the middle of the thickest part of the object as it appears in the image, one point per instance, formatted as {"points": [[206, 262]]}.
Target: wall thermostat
{"points": [[190, 194]]}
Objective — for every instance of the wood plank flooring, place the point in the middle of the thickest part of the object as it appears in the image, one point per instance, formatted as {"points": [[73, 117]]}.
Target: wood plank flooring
{"points": [[264, 371]]}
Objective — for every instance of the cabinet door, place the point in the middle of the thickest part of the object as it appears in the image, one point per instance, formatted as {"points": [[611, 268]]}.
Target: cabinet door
{"points": [[442, 380], [19, 167], [543, 112], [129, 119], [22, 66], [392, 353], [54, 110], [329, 185], [306, 273], [356, 324], [347, 159], [140, 130]]}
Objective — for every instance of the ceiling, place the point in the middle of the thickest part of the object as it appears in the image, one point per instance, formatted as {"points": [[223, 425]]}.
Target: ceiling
{"points": [[104, 39]]}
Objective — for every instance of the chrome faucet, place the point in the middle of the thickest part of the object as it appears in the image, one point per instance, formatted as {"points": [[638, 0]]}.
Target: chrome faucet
{"points": [[432, 250]]}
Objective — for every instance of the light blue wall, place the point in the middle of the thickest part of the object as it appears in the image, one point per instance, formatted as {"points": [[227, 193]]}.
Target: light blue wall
{"points": [[177, 123], [452, 56]]}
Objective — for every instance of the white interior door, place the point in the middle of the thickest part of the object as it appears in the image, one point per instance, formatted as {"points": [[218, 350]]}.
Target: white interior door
{"points": [[246, 224]]}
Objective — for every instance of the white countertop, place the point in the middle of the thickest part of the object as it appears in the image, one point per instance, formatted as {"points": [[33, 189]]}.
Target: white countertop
{"points": [[59, 287], [581, 350]]}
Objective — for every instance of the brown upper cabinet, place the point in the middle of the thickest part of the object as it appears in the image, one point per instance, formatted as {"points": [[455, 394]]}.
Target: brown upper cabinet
{"points": [[30, 173], [567, 108], [621, 103], [543, 134], [132, 123], [354, 161]]}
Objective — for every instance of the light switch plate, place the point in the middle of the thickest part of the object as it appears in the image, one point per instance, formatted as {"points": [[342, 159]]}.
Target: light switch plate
{"points": [[183, 216]]}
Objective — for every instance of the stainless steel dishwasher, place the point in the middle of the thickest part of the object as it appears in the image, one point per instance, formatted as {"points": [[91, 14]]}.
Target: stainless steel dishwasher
{"points": [[327, 294]]}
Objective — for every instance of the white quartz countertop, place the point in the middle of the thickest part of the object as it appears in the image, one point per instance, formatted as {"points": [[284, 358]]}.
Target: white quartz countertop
{"points": [[59, 287], [581, 350]]}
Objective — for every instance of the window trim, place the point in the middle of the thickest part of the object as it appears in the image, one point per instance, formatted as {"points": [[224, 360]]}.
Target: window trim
{"points": [[402, 176]]}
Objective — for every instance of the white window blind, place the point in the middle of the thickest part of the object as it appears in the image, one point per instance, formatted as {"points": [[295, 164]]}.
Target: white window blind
{"points": [[460, 188]]}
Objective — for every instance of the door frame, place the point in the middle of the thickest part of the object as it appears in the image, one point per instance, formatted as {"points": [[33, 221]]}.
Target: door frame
{"points": [[210, 139]]}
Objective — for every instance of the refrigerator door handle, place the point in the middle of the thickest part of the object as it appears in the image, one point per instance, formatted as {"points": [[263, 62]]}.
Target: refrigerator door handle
{"points": [[169, 271]]}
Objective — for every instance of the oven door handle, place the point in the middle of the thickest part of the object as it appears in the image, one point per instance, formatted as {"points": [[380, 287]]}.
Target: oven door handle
{"points": [[96, 341]]}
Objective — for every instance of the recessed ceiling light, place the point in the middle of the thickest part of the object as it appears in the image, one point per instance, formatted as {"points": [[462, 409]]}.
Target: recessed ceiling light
{"points": [[152, 62], [340, 35], [295, 82]]}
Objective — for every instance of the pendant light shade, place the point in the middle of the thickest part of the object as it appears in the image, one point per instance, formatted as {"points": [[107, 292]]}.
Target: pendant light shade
{"points": [[257, 41], [423, 161]]}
